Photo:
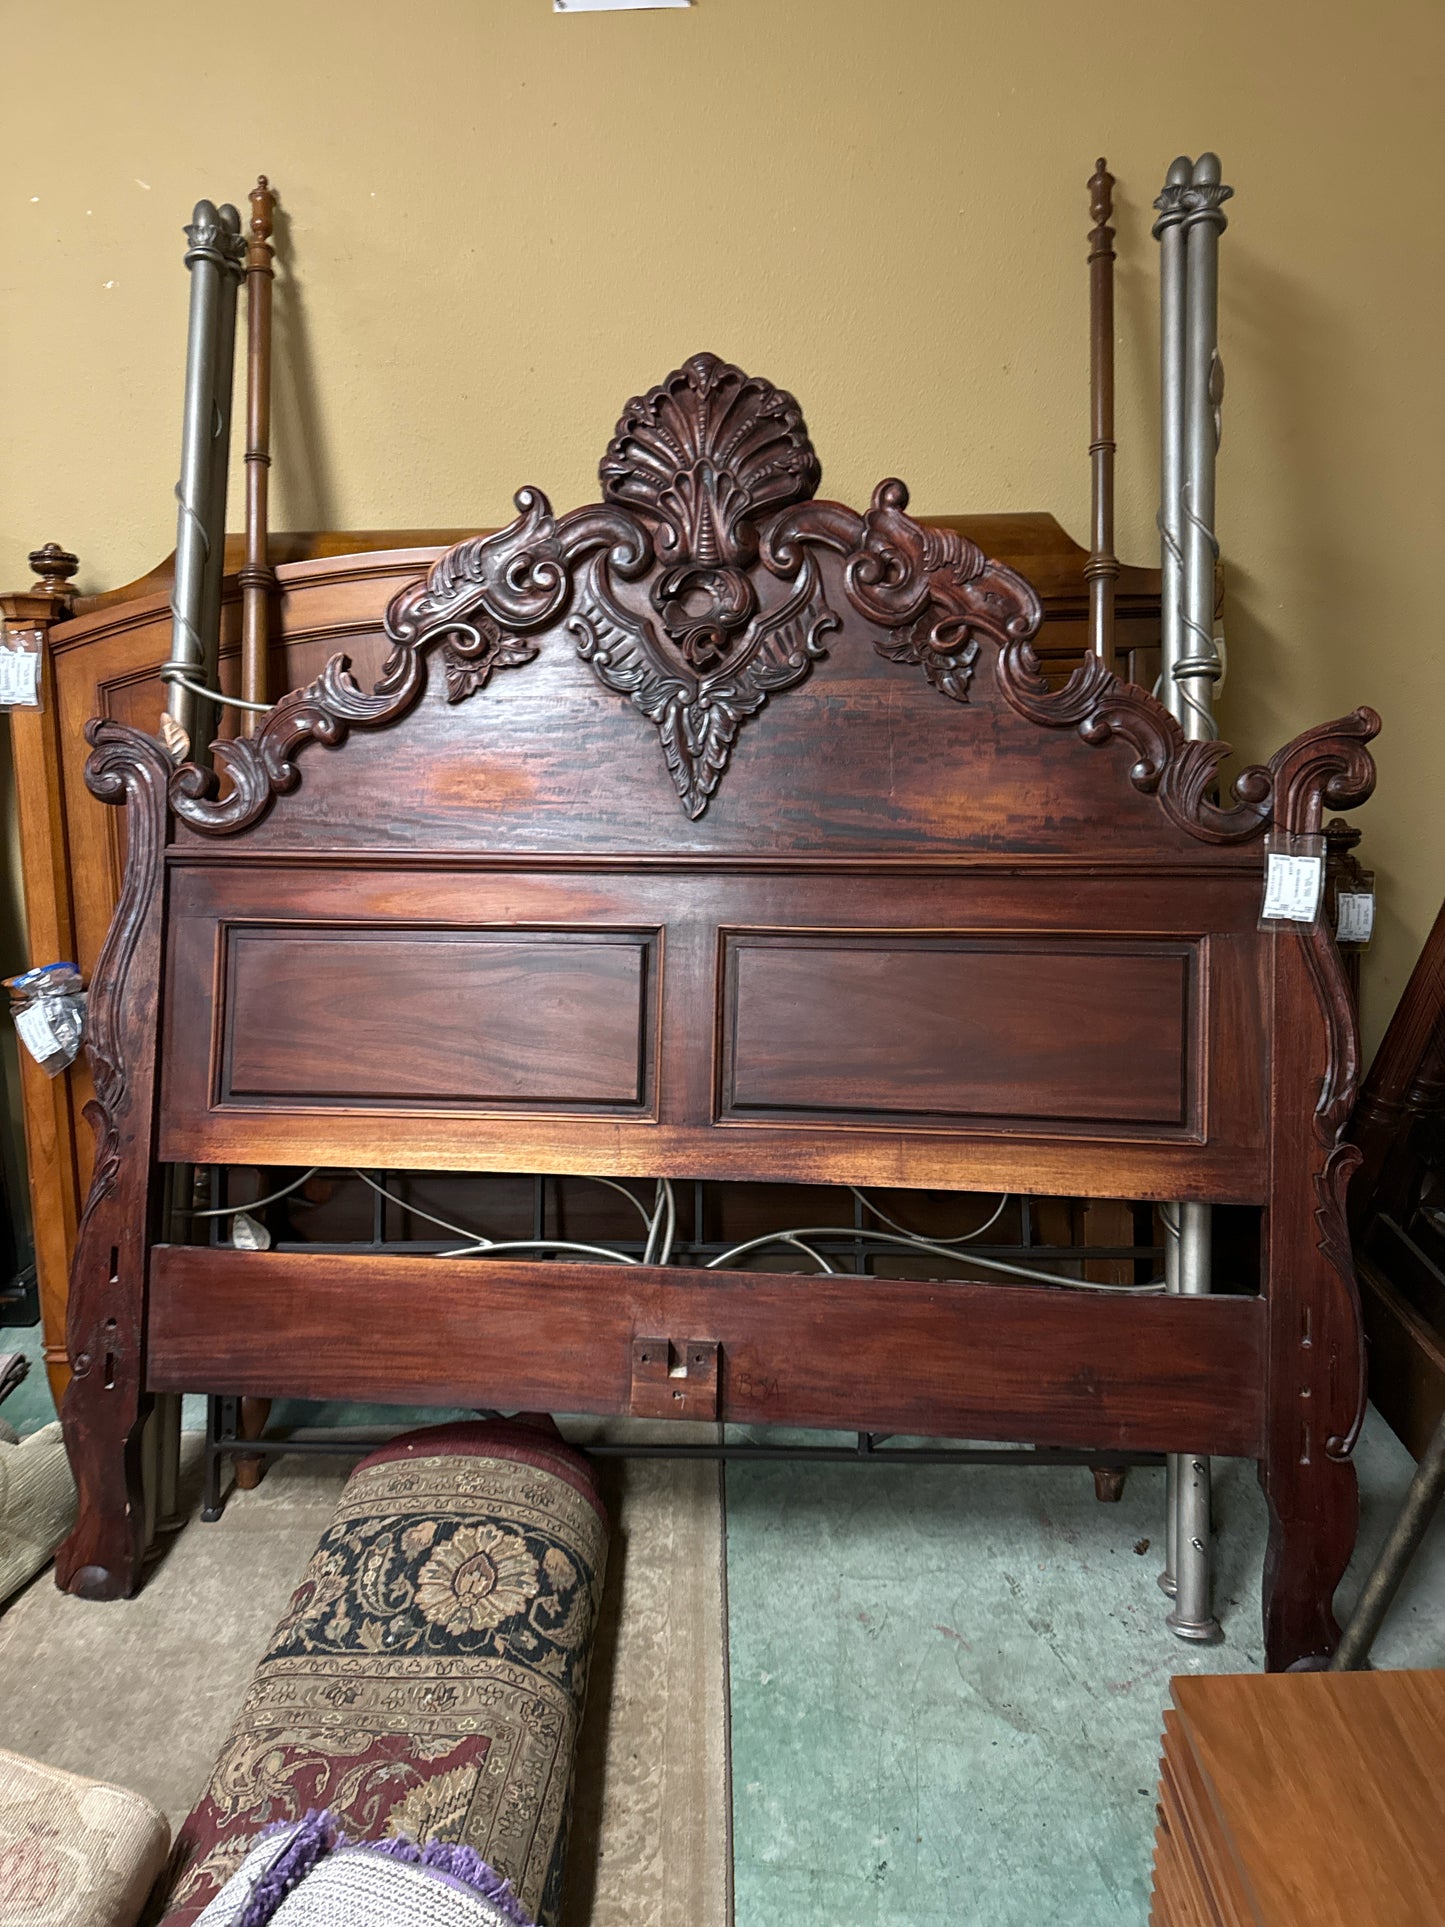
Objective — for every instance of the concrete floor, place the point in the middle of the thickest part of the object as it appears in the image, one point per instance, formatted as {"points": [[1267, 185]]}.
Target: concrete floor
{"points": [[945, 1685]]}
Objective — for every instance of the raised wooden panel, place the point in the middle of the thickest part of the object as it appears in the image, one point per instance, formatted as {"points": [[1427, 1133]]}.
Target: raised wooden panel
{"points": [[947, 1028], [464, 1018], [1167, 1019], [953, 1360]]}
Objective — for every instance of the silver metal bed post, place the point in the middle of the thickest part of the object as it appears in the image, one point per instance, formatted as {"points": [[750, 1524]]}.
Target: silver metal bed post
{"points": [[214, 242], [1170, 236], [1192, 674]]}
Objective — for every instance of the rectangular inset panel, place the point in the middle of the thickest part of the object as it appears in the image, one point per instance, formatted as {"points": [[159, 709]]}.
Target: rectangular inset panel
{"points": [[415, 1017], [944, 1029]]}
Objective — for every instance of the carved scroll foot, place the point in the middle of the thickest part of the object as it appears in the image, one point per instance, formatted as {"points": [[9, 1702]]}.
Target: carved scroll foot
{"points": [[1313, 1514], [102, 1558]]}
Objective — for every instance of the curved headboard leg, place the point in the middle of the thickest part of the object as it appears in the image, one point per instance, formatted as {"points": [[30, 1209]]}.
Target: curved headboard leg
{"points": [[106, 1404]]}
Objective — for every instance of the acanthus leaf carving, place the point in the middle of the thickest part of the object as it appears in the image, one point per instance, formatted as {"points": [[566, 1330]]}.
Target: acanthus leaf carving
{"points": [[693, 466], [698, 713], [932, 590]]}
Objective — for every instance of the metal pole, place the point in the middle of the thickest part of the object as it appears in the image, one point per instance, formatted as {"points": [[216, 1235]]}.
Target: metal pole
{"points": [[1188, 231], [1192, 1614], [1198, 667], [1170, 236], [1422, 1502], [206, 259], [1101, 571]]}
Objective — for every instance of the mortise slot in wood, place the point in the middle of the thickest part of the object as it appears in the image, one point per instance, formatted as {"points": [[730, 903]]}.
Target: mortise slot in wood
{"points": [[115, 1264], [110, 1371], [674, 1381]]}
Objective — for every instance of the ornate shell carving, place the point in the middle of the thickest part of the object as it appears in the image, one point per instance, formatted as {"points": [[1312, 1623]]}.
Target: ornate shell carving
{"points": [[704, 455]]}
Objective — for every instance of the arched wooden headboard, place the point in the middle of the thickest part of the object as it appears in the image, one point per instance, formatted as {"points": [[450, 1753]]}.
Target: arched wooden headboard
{"points": [[714, 830]]}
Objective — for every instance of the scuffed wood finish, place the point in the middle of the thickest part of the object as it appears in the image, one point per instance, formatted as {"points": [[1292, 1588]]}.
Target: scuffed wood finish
{"points": [[817, 873], [960, 1361]]}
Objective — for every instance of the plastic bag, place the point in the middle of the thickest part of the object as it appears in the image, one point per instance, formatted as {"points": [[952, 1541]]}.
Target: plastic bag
{"points": [[48, 1006]]}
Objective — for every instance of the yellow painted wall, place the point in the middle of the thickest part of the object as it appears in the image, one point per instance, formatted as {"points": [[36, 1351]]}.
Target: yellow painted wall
{"points": [[501, 222]]}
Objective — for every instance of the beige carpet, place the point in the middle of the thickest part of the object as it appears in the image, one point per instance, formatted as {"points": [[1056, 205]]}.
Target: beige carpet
{"points": [[143, 1691], [650, 1841]]}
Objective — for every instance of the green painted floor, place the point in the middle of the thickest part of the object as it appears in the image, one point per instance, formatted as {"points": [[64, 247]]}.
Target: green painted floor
{"points": [[946, 1684]]}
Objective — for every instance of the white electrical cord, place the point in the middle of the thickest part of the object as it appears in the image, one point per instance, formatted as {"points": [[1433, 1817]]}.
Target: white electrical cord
{"points": [[661, 1224], [964, 1238], [252, 1204], [795, 1233]]}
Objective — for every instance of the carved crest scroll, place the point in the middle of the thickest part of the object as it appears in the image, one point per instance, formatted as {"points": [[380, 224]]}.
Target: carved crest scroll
{"points": [[696, 592]]}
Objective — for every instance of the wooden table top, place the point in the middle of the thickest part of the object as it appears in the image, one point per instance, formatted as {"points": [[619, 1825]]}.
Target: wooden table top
{"points": [[1325, 1790]]}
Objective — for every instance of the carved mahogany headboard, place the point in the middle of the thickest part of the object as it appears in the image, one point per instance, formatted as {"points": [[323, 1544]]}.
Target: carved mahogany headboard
{"points": [[718, 831]]}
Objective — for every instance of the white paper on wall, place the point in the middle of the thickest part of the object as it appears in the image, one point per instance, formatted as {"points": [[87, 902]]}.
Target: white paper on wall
{"points": [[613, 6]]}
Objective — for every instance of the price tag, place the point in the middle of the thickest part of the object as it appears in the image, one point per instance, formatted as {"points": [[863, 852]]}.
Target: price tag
{"points": [[32, 1027], [19, 678], [1293, 886], [1354, 916]]}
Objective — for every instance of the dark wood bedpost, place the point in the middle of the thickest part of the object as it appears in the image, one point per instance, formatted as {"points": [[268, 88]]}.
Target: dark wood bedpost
{"points": [[257, 581], [106, 1404], [1101, 571], [1315, 1391]]}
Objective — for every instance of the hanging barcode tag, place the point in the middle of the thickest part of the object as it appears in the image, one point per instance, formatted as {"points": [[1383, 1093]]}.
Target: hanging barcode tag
{"points": [[19, 674], [1292, 887], [32, 1026], [1354, 916]]}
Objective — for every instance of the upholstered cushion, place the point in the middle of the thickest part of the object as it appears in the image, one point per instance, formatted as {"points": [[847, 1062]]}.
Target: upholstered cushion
{"points": [[37, 1504], [428, 1676], [74, 1852]]}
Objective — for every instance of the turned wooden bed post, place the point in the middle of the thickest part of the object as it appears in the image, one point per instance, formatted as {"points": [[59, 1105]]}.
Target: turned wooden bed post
{"points": [[257, 581], [1101, 571], [256, 578]]}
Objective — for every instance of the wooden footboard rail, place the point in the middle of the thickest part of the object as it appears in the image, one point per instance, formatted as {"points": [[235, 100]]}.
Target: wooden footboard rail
{"points": [[714, 831]]}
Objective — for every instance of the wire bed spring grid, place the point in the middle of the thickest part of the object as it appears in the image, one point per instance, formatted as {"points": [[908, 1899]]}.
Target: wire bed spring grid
{"points": [[661, 1224]]}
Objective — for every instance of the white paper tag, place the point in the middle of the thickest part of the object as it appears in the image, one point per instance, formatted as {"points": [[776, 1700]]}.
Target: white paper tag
{"points": [[1293, 886], [1354, 916], [614, 6], [19, 678], [32, 1027]]}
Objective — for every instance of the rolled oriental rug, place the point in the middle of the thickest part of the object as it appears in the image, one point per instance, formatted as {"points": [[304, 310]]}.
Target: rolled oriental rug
{"points": [[427, 1680]]}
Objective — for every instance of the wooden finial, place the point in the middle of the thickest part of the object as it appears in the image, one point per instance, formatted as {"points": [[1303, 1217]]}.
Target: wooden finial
{"points": [[263, 210], [1101, 209], [54, 566]]}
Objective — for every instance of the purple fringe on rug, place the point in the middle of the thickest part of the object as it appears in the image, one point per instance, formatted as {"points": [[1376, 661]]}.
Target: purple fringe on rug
{"points": [[320, 1833], [317, 1834]]}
